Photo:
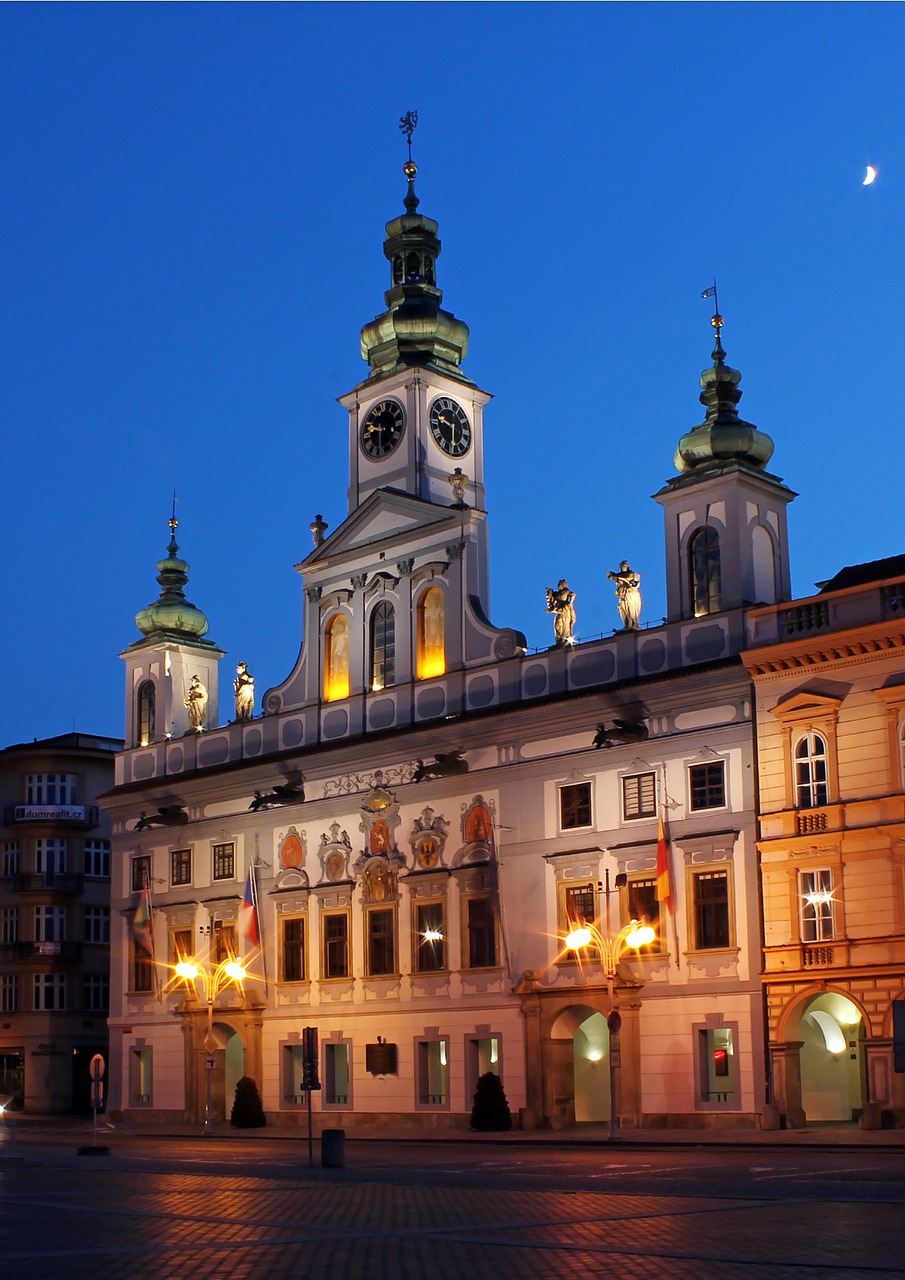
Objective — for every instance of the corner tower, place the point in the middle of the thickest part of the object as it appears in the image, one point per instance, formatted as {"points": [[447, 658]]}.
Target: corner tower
{"points": [[161, 666], [727, 541]]}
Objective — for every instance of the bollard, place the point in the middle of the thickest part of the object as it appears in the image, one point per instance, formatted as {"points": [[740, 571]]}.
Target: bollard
{"points": [[333, 1148]]}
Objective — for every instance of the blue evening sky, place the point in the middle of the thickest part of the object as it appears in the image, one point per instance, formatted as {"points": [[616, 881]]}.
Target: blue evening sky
{"points": [[193, 207]]}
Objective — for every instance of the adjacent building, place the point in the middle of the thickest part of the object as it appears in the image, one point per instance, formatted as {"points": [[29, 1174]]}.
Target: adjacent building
{"points": [[400, 843], [829, 675], [54, 919]]}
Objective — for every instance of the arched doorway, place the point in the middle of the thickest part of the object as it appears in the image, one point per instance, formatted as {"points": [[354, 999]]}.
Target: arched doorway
{"points": [[579, 1062], [228, 1069], [832, 1075]]}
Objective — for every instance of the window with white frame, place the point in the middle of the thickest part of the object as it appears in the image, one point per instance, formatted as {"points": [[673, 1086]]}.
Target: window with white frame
{"points": [[430, 938], [51, 788], [337, 1074], [575, 806], [180, 866], [707, 785], [380, 931], [480, 932], [141, 872], [811, 788], [336, 944], [9, 923], [639, 795], [97, 859], [96, 993], [50, 924], [815, 890], [292, 949], [97, 924], [140, 1060], [49, 991], [50, 857], [10, 859], [642, 903]]}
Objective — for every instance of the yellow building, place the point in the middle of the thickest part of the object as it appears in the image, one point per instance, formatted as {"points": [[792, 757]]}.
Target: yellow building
{"points": [[829, 674]]}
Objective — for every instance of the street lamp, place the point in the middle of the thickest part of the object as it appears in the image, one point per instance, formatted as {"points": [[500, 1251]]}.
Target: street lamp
{"points": [[214, 980], [611, 949]]}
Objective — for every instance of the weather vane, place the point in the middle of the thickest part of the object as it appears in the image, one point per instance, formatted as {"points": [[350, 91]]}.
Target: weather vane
{"points": [[716, 319], [173, 522], [408, 124]]}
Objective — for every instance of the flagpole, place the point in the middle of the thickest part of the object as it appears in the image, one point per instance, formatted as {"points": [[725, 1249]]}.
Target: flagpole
{"points": [[254, 895], [495, 873]]}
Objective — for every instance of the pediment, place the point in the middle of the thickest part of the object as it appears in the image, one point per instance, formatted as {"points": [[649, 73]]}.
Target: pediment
{"points": [[387, 516], [806, 703]]}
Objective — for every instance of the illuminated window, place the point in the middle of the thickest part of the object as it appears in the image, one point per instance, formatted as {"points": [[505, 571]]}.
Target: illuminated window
{"points": [[639, 796], [140, 1077], [181, 945], [224, 861], [430, 941], [336, 658], [383, 646], [815, 889], [147, 712], [704, 568], [431, 634], [641, 898], [224, 946], [707, 785], [715, 1052], [181, 866], [432, 1073], [337, 1080], [810, 772], [575, 806]]}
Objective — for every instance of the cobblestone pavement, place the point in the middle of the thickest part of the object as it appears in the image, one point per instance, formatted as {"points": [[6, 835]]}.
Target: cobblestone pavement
{"points": [[60, 1215]]}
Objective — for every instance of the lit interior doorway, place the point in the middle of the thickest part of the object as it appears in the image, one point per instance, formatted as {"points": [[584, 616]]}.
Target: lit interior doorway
{"points": [[591, 1048], [832, 1083], [229, 1068]]}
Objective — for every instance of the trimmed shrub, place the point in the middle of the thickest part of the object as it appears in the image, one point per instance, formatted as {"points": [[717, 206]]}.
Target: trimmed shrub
{"points": [[490, 1111], [248, 1112]]}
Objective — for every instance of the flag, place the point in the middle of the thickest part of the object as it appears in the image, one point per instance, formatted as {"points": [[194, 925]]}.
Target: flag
{"points": [[142, 924], [664, 884], [709, 293], [248, 912]]}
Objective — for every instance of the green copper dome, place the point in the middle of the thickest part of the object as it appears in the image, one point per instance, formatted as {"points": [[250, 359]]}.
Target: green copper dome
{"points": [[172, 616], [414, 330], [723, 436]]}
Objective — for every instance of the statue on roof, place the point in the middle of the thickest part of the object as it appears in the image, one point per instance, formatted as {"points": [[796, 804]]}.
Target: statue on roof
{"points": [[628, 597], [561, 603]]}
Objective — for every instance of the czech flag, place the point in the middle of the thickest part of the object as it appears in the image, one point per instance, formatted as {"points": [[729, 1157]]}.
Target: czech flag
{"points": [[248, 912]]}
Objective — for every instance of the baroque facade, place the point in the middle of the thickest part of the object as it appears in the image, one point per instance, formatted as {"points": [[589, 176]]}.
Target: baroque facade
{"points": [[55, 919], [426, 811]]}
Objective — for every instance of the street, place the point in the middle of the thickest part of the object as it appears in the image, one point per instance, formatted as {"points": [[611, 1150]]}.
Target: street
{"points": [[230, 1207]]}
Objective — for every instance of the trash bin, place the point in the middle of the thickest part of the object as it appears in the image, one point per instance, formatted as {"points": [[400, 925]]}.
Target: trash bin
{"points": [[333, 1148]]}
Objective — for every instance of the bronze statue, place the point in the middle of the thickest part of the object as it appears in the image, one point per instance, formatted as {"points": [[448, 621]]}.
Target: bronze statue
{"points": [[622, 731], [443, 766], [283, 793], [169, 815]]}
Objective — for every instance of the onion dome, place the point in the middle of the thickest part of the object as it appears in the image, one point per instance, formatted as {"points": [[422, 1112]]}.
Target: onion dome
{"points": [[722, 437], [172, 617], [414, 330]]}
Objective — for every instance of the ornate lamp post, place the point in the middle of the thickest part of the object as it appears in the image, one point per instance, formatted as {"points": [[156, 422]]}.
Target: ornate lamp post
{"points": [[611, 949], [214, 980]]}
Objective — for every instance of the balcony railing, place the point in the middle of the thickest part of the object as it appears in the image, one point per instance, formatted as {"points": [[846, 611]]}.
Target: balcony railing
{"points": [[807, 822], [65, 952], [805, 617], [47, 882], [812, 956]]}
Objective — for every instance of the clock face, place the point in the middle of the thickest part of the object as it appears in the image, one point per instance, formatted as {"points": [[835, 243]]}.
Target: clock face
{"points": [[382, 429], [450, 427]]}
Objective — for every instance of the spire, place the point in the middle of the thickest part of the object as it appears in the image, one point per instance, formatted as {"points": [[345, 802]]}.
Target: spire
{"points": [[723, 437], [414, 330], [172, 617]]}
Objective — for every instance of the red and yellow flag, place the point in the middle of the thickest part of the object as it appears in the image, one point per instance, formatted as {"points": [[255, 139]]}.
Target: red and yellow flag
{"points": [[664, 882]]}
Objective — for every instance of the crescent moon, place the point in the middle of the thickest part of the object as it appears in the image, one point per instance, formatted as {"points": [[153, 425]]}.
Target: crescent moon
{"points": [[869, 176]]}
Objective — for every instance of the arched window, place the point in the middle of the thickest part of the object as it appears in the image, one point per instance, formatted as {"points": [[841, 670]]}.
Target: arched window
{"points": [[383, 646], [431, 634], [810, 772], [147, 712], [704, 567], [336, 658]]}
